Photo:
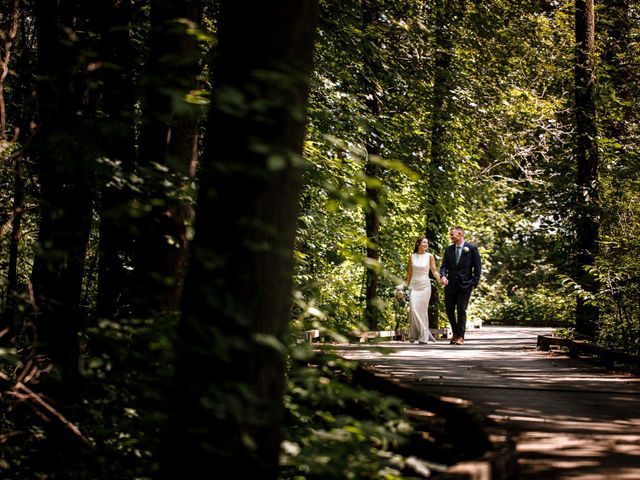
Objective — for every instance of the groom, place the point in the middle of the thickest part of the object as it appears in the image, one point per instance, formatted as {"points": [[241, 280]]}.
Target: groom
{"points": [[460, 273]]}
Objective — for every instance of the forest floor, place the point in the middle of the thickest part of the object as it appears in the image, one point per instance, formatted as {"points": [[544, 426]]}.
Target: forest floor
{"points": [[570, 417]]}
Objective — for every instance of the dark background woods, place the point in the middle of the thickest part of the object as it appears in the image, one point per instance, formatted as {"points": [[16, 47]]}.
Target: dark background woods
{"points": [[173, 175]]}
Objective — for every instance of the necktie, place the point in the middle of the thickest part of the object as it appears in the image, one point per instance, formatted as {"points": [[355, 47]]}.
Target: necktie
{"points": [[458, 249]]}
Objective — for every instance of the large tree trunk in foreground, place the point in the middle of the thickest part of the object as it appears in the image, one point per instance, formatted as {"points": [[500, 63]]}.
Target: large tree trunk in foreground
{"points": [[230, 363], [586, 214]]}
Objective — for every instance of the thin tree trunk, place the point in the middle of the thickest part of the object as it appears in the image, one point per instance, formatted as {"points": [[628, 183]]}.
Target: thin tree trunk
{"points": [[440, 184], [115, 231], [7, 38], [10, 310], [372, 169], [22, 117], [237, 295], [169, 140], [586, 215]]}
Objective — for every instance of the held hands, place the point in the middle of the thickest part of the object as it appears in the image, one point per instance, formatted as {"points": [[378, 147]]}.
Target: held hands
{"points": [[443, 281]]}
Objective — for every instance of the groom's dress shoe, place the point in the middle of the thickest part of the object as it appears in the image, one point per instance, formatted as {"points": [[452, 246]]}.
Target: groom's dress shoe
{"points": [[459, 341], [453, 339]]}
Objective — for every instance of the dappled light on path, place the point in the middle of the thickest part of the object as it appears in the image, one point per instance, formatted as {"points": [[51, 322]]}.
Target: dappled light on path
{"points": [[573, 419], [569, 455]]}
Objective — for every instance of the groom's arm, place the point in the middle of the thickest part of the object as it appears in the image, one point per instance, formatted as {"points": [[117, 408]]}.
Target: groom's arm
{"points": [[444, 268]]}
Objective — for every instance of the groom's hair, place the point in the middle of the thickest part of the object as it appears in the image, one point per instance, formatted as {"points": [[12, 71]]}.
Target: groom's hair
{"points": [[459, 229]]}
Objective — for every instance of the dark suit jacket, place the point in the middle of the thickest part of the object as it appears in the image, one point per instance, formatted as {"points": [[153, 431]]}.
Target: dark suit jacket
{"points": [[466, 273]]}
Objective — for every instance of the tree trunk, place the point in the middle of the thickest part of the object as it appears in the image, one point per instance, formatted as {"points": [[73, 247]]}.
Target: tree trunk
{"points": [[63, 151], [227, 405], [6, 36], [442, 159], [168, 149], [9, 315], [118, 103], [586, 215], [21, 118], [372, 169]]}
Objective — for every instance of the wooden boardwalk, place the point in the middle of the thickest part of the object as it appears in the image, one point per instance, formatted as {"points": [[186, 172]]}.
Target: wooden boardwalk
{"points": [[571, 418]]}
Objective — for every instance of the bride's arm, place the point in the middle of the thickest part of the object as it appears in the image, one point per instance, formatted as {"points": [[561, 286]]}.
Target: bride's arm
{"points": [[434, 269]]}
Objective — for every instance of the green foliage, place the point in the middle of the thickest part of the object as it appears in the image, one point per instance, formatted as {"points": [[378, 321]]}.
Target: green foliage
{"points": [[534, 307], [617, 268], [507, 175], [331, 246], [337, 430], [122, 409], [617, 265], [507, 143]]}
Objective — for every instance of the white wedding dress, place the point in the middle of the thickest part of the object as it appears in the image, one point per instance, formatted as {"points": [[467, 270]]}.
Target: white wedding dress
{"points": [[420, 285]]}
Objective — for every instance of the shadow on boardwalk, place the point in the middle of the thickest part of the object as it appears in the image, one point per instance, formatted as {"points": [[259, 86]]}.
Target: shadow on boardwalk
{"points": [[571, 419]]}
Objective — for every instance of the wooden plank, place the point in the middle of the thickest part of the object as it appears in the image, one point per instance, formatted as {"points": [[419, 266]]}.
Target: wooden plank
{"points": [[442, 332], [364, 336], [545, 342], [464, 423], [402, 334], [578, 347]]}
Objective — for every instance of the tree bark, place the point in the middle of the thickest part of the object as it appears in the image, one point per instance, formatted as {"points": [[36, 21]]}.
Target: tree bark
{"points": [[118, 103], [63, 151], [21, 118], [586, 214], [10, 312], [230, 364], [447, 13], [372, 169], [168, 152], [7, 38]]}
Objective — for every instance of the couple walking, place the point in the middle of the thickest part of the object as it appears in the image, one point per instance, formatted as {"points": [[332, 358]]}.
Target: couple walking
{"points": [[459, 273]]}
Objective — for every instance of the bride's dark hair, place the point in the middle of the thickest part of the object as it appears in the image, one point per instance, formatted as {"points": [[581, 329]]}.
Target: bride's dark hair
{"points": [[415, 247]]}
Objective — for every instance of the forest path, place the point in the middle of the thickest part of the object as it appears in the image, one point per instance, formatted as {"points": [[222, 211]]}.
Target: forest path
{"points": [[571, 419]]}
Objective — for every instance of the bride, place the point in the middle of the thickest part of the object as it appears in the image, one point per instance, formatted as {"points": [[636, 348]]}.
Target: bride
{"points": [[420, 262]]}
